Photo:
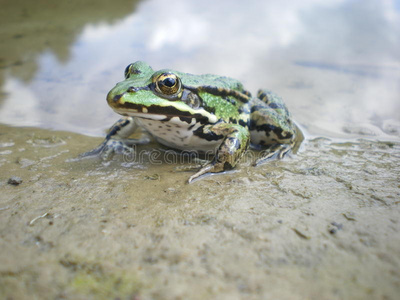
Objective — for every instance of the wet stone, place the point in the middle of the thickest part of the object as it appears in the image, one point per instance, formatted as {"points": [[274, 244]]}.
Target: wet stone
{"points": [[14, 180]]}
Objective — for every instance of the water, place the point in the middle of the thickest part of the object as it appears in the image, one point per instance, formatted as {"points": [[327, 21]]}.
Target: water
{"points": [[336, 63]]}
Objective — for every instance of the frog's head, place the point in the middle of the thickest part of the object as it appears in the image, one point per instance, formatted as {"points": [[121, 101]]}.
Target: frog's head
{"points": [[156, 95]]}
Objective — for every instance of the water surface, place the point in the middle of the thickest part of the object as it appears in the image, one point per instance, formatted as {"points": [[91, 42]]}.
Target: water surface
{"points": [[336, 63]]}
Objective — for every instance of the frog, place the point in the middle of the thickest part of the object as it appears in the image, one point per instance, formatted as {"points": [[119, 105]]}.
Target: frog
{"points": [[202, 113]]}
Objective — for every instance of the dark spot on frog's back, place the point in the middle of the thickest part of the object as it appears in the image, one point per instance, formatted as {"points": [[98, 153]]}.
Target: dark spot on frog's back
{"points": [[267, 128], [247, 93], [242, 123], [232, 120], [225, 92], [274, 105], [257, 108], [230, 100], [244, 109], [262, 96]]}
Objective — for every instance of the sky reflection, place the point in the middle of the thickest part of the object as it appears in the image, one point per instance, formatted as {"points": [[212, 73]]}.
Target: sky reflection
{"points": [[335, 63]]}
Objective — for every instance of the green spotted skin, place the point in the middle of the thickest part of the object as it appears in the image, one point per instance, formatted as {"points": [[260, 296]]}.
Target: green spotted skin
{"points": [[205, 113]]}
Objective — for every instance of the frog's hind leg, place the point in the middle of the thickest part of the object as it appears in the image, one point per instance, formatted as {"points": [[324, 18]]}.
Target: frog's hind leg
{"points": [[117, 140], [271, 127]]}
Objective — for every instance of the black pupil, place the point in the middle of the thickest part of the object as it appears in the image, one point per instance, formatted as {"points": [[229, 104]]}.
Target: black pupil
{"points": [[169, 82]]}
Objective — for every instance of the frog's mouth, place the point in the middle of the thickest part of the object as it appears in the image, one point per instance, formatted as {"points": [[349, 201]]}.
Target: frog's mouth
{"points": [[165, 112]]}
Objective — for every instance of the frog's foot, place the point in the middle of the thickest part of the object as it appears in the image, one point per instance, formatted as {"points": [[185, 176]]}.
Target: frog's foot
{"points": [[276, 150], [234, 145], [112, 146], [117, 140], [210, 167]]}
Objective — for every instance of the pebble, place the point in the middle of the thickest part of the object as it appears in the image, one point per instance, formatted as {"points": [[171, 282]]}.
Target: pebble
{"points": [[14, 180]]}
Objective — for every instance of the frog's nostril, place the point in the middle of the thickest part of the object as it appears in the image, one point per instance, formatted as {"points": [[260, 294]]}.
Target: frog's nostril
{"points": [[132, 89]]}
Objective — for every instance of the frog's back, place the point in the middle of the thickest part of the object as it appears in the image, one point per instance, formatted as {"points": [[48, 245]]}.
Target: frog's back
{"points": [[210, 80]]}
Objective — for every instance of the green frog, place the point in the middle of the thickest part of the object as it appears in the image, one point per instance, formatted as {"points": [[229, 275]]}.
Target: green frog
{"points": [[197, 113]]}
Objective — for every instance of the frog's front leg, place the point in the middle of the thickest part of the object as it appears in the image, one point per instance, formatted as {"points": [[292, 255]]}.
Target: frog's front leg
{"points": [[117, 140], [235, 142]]}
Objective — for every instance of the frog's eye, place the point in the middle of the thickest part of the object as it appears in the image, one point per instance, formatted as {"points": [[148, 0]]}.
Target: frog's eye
{"points": [[168, 84]]}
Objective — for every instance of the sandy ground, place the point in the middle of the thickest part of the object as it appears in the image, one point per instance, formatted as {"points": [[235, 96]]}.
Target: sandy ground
{"points": [[323, 224]]}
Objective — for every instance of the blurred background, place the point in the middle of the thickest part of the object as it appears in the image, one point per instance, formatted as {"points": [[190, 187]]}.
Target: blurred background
{"points": [[336, 63]]}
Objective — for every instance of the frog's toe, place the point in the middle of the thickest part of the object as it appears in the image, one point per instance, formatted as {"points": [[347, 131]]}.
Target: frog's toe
{"points": [[204, 170], [211, 167], [94, 152], [275, 151], [115, 147], [108, 148]]}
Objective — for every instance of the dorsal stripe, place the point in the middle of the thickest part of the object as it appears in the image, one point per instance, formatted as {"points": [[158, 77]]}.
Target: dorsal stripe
{"points": [[218, 91]]}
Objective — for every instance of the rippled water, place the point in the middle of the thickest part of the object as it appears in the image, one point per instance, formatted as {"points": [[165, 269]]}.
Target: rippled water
{"points": [[336, 63]]}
